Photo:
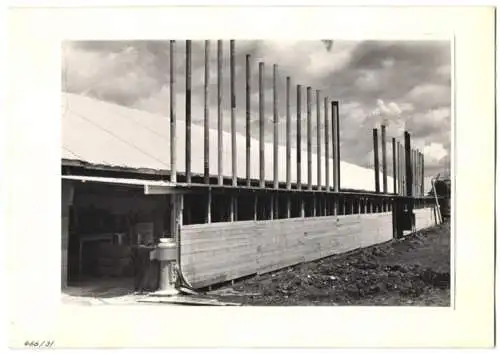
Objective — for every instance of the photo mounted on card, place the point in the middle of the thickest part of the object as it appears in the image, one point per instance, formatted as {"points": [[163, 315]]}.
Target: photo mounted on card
{"points": [[258, 172], [251, 177]]}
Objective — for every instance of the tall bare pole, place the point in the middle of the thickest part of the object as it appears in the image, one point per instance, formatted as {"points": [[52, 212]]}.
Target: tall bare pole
{"points": [[409, 176], [384, 158], [299, 137], [173, 136], [248, 110], [309, 145], [327, 146], [188, 111], [233, 113], [288, 137], [275, 125], [375, 160], [220, 146], [206, 127], [337, 137], [394, 171], [318, 133], [261, 125]]}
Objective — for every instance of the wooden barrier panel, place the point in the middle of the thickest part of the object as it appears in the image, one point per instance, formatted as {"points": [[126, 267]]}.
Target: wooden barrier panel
{"points": [[218, 252], [424, 218]]}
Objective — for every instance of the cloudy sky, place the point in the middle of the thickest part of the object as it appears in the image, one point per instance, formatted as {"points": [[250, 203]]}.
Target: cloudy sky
{"points": [[404, 84]]}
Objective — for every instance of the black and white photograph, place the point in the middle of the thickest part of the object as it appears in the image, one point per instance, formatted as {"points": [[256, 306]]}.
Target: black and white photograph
{"points": [[249, 176], [256, 172]]}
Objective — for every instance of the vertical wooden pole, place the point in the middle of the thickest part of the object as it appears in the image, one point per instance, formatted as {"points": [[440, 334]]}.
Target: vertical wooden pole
{"points": [[261, 125], [271, 207], [334, 147], [288, 207], [327, 147], [314, 204], [422, 182], [275, 126], [188, 111], [233, 112], [309, 146], [231, 209], [318, 137], [302, 210], [375, 160], [384, 158], [288, 137], [409, 176], [248, 110], [255, 206], [206, 126], [299, 137], [394, 169], [173, 119], [208, 218], [220, 146], [337, 137]]}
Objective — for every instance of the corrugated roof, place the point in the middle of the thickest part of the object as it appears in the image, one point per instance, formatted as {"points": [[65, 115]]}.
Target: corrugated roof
{"points": [[102, 133]]}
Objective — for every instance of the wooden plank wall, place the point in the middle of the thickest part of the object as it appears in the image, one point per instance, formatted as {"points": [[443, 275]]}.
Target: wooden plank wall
{"points": [[218, 252], [424, 218]]}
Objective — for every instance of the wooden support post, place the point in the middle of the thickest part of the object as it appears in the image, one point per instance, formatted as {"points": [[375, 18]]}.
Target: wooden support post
{"points": [[233, 113], [261, 126], [409, 176], [275, 127], [208, 218], [220, 146], [188, 111], [335, 205], [288, 137], [314, 204], [248, 120], [173, 119], [309, 146], [327, 147], [271, 207], [384, 159], [375, 160], [206, 126], [255, 206], [302, 210], [365, 200], [318, 137], [423, 175], [288, 207], [337, 146], [359, 205], [231, 209], [299, 137], [394, 169]]}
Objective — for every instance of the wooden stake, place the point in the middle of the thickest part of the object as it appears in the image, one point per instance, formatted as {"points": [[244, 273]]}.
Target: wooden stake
{"points": [[208, 217], [233, 112], [188, 111], [299, 138], [337, 137], [409, 176], [261, 125], [309, 146], [275, 126], [220, 146], [288, 136], [318, 138], [384, 158], [206, 126], [173, 119], [248, 126], [375, 160], [394, 161], [327, 147]]}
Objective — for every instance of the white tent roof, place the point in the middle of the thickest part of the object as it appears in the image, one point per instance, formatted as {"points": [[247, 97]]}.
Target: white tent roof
{"points": [[102, 133]]}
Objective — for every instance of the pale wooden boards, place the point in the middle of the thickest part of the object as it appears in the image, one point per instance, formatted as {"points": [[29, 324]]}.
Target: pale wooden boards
{"points": [[424, 218], [218, 252]]}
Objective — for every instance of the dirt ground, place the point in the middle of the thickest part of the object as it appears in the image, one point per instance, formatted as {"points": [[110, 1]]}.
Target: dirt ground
{"points": [[414, 271]]}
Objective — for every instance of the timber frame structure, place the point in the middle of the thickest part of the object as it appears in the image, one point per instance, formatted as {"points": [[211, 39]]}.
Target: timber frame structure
{"points": [[230, 225]]}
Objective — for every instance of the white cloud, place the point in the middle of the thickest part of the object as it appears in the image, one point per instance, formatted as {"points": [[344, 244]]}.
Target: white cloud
{"points": [[435, 151]]}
